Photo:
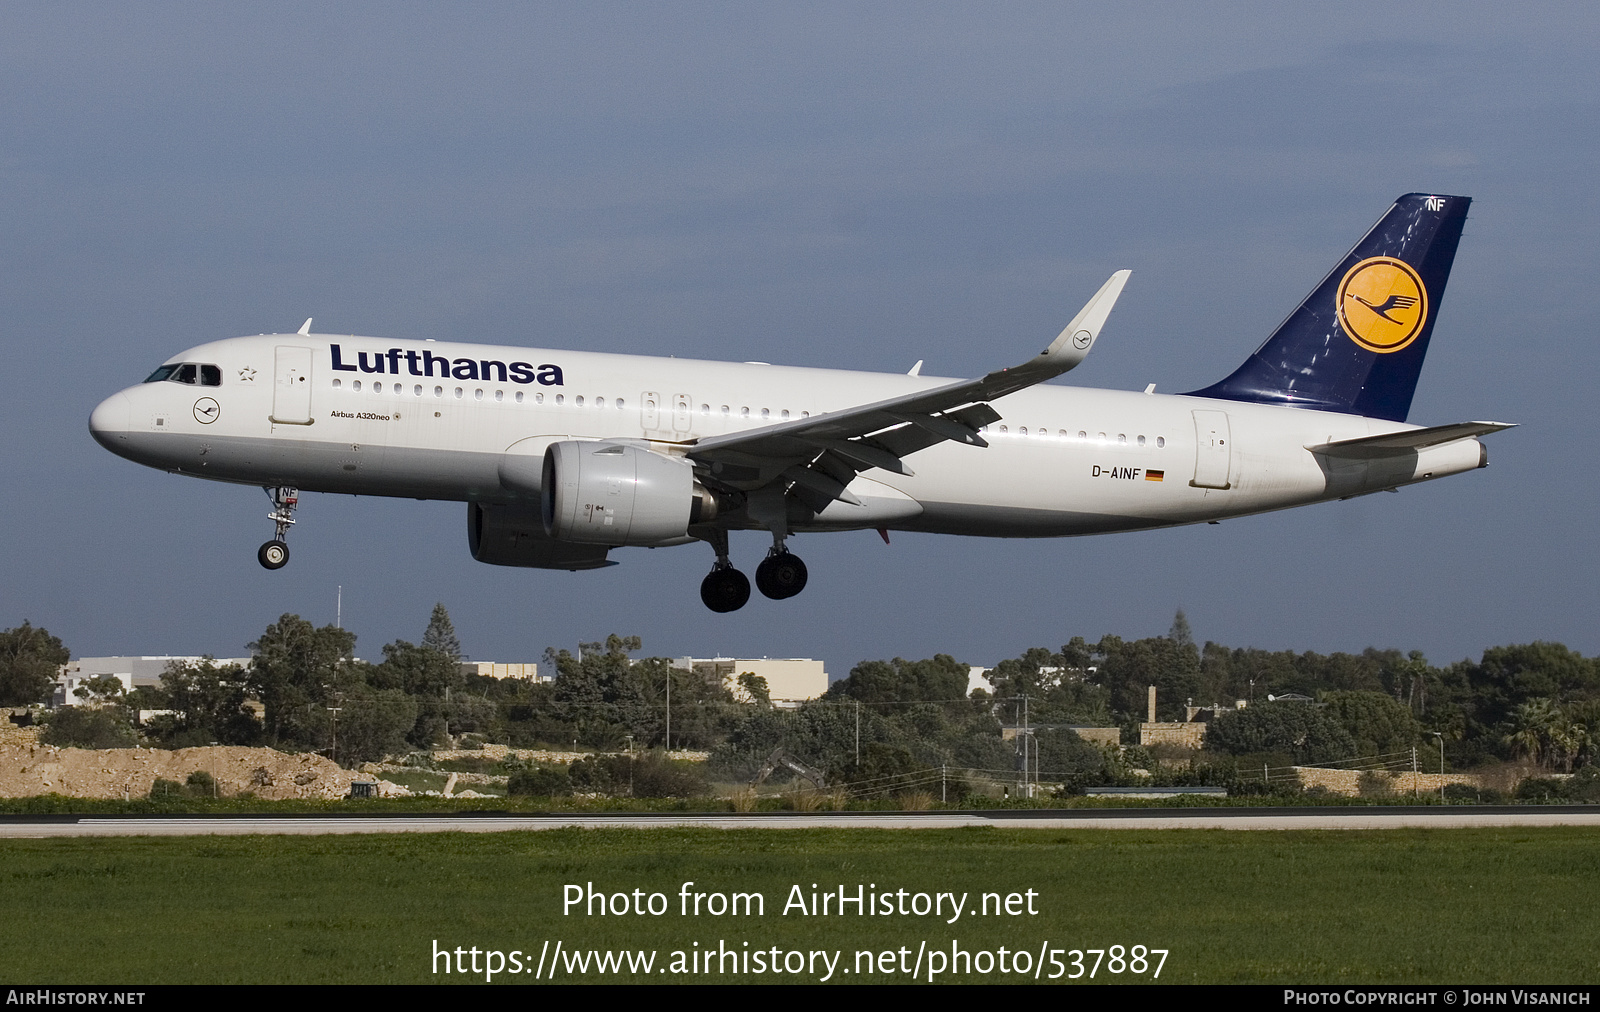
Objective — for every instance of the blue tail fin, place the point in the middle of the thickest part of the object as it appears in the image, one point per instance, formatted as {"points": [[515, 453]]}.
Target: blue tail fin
{"points": [[1357, 342]]}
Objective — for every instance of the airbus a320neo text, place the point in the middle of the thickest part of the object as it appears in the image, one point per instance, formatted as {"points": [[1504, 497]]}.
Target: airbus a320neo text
{"points": [[562, 456]]}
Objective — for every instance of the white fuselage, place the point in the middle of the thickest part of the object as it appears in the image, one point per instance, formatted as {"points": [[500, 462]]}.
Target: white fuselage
{"points": [[1061, 461]]}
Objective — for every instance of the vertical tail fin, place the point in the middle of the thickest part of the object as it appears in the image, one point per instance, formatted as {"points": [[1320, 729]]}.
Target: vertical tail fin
{"points": [[1357, 342]]}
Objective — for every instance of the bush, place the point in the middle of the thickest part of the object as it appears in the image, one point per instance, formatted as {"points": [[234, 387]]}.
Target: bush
{"points": [[164, 788], [648, 775], [1539, 789], [539, 782], [655, 776], [201, 784], [88, 727]]}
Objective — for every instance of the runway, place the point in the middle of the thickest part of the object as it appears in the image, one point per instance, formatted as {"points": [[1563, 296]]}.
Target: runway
{"points": [[1376, 817]]}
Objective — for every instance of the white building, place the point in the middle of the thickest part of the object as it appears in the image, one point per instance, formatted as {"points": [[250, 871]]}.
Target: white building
{"points": [[132, 672], [790, 680], [495, 669]]}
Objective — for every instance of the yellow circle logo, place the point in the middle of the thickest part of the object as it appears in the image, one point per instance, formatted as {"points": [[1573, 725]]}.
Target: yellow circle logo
{"points": [[1382, 304]]}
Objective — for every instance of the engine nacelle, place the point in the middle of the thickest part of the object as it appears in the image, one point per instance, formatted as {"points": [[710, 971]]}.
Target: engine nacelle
{"points": [[504, 535], [602, 493]]}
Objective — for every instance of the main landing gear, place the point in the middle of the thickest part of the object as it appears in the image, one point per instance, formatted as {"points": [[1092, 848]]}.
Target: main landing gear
{"points": [[781, 575], [275, 553]]}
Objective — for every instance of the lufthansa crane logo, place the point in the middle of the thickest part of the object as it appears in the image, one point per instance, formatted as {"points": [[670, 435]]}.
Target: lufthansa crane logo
{"points": [[1382, 304]]}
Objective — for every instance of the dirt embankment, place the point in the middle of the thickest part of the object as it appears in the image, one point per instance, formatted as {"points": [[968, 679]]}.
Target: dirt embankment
{"points": [[26, 771]]}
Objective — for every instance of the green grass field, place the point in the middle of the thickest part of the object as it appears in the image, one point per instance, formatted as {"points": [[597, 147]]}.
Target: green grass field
{"points": [[1418, 906]]}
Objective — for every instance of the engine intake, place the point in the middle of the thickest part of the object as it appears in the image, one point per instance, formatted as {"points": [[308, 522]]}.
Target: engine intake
{"points": [[603, 493]]}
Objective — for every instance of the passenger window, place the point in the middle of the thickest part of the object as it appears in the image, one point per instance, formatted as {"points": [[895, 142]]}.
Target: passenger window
{"points": [[210, 376]]}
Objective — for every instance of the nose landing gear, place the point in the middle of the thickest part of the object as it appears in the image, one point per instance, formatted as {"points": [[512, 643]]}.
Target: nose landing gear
{"points": [[275, 553]]}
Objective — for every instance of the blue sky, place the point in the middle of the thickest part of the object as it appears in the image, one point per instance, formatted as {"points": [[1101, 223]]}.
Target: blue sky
{"points": [[858, 186]]}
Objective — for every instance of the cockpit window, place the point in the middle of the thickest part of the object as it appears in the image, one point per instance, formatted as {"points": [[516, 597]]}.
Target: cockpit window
{"points": [[188, 372]]}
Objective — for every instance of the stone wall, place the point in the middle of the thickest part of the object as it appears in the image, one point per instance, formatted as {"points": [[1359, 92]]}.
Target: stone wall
{"points": [[1178, 732], [1348, 782]]}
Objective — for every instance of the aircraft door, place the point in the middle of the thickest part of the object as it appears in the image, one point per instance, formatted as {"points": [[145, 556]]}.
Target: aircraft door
{"points": [[291, 387], [1213, 456], [682, 412], [650, 411]]}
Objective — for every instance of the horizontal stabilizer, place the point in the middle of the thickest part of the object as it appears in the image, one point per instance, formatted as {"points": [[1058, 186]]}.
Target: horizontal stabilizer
{"points": [[1390, 443]]}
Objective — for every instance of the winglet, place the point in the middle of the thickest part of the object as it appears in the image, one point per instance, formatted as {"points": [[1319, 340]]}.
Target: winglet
{"points": [[1074, 342], [305, 328]]}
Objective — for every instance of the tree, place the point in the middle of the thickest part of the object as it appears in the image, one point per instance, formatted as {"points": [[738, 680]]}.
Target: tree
{"points": [[1377, 722], [29, 660], [296, 671], [209, 699], [427, 675], [441, 634], [101, 689], [755, 687], [937, 679], [1301, 730], [1180, 632], [373, 723]]}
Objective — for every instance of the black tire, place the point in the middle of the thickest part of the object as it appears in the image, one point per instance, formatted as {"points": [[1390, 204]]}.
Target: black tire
{"points": [[781, 576], [725, 590], [273, 555]]}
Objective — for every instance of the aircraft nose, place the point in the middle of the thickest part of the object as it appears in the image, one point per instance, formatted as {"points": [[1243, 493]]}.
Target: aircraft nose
{"points": [[110, 420]]}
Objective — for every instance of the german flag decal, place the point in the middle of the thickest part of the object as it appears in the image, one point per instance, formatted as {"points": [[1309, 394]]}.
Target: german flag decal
{"points": [[1154, 475]]}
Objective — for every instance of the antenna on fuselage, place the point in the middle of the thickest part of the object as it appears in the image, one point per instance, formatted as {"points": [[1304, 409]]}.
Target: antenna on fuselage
{"points": [[916, 370], [305, 328]]}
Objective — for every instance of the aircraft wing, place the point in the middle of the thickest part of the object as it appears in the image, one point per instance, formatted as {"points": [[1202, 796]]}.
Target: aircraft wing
{"points": [[821, 454]]}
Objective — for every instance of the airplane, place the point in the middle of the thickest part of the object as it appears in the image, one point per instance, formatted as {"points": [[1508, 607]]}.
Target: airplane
{"points": [[562, 456]]}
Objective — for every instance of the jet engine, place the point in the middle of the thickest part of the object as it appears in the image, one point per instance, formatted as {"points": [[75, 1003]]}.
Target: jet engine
{"points": [[503, 535], [603, 493]]}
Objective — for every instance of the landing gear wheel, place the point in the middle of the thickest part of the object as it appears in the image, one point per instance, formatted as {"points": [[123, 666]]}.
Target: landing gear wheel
{"points": [[781, 575], [725, 590], [273, 555]]}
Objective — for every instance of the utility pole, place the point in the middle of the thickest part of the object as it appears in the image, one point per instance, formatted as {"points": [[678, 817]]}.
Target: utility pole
{"points": [[858, 734], [669, 709], [1440, 736]]}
